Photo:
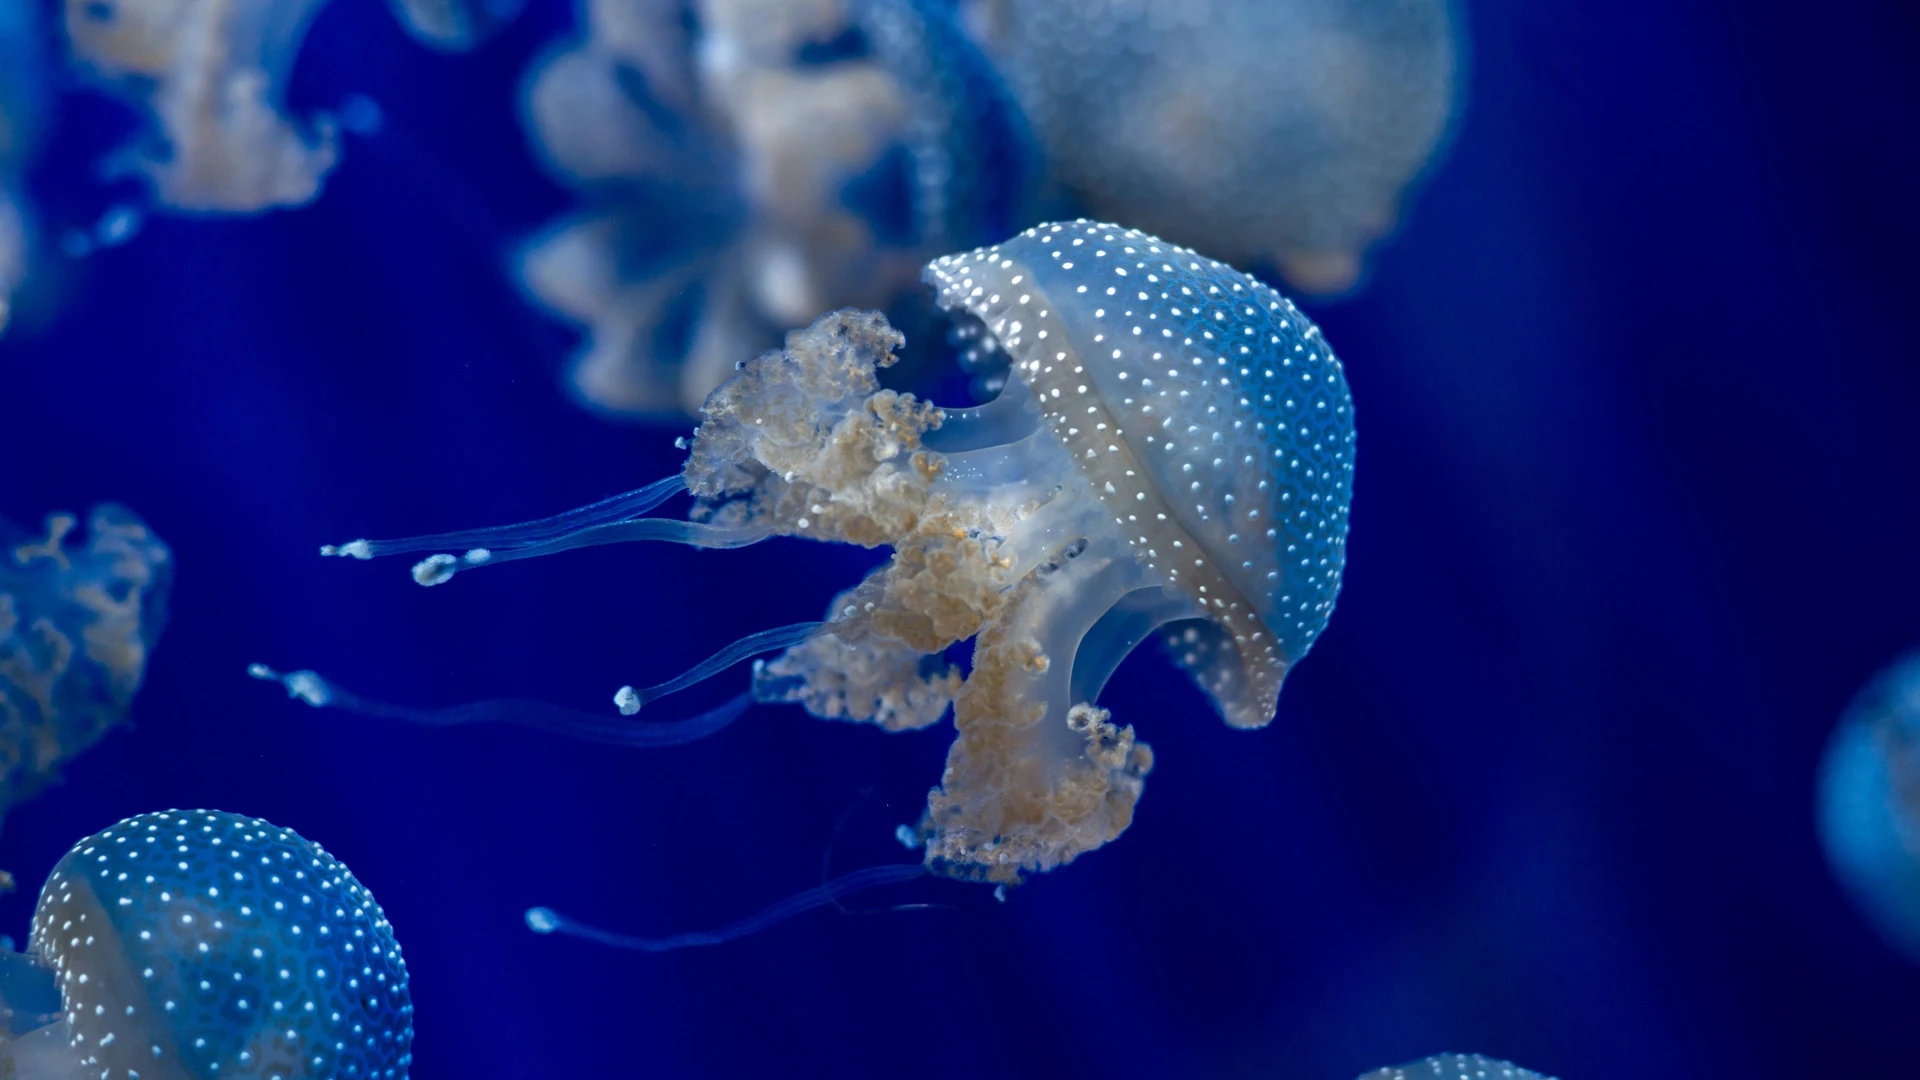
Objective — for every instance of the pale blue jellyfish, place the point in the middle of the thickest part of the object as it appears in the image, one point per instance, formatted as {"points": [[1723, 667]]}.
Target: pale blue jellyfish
{"points": [[1456, 1067], [1282, 131], [455, 25], [23, 94], [1171, 456], [77, 625], [210, 77], [745, 168], [203, 945], [1869, 803]]}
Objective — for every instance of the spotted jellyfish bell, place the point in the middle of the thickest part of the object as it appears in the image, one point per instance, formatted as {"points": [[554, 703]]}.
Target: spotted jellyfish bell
{"points": [[203, 945], [1455, 1067]]}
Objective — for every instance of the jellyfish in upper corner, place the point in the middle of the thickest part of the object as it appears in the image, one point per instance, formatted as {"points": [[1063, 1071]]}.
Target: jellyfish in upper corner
{"points": [[23, 103], [1283, 132], [1869, 803], [203, 945], [455, 25], [1170, 456], [746, 164], [77, 624], [1456, 1067], [210, 75]]}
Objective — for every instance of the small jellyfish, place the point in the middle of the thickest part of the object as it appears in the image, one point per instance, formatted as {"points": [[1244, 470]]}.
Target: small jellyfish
{"points": [[455, 25], [1171, 456], [1869, 803], [1456, 1067], [22, 118], [201, 945], [211, 77], [749, 167], [76, 628], [1281, 131]]}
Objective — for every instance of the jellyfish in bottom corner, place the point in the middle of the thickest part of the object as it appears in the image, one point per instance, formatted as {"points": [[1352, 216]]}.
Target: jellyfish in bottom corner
{"points": [[77, 625], [1869, 803], [1456, 1067], [1171, 456], [203, 945]]}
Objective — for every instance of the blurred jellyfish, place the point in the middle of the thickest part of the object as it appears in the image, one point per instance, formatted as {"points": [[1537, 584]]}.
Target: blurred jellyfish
{"points": [[746, 164], [1171, 455], [1281, 131], [76, 627], [455, 25], [1456, 1067], [211, 77], [198, 944], [22, 108], [1869, 803]]}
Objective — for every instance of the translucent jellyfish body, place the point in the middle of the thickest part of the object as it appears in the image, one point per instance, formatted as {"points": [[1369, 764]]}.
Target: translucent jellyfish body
{"points": [[1281, 131], [77, 625], [752, 166], [211, 75], [1171, 455], [1455, 1067], [1869, 803], [22, 107], [203, 945]]}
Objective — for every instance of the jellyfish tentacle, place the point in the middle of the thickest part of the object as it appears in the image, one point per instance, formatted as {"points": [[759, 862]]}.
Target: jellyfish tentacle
{"points": [[614, 520], [321, 693], [439, 568], [613, 509], [542, 920], [630, 700]]}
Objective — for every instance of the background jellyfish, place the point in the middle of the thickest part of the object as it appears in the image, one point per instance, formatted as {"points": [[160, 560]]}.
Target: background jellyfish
{"points": [[211, 77], [76, 627], [454, 25], [1869, 804], [749, 167], [1171, 455], [199, 944], [22, 103], [1281, 131], [1455, 1067]]}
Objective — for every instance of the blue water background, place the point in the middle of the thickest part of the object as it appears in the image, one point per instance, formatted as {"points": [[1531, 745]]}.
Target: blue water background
{"points": [[1639, 412]]}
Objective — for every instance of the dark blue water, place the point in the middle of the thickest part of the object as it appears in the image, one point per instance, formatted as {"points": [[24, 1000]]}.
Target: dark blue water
{"points": [[1637, 393]]}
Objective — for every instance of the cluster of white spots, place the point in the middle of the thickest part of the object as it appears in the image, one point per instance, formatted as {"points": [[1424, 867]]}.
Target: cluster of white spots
{"points": [[204, 944], [1202, 406], [1455, 1067]]}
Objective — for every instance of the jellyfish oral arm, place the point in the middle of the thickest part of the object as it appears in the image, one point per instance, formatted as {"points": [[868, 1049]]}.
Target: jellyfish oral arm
{"points": [[320, 693], [546, 921], [618, 519], [630, 700]]}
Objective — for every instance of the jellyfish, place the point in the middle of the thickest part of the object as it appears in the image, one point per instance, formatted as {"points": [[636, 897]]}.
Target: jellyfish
{"points": [[22, 109], [455, 25], [1170, 456], [1456, 1067], [748, 168], [210, 76], [1263, 131], [1869, 803], [77, 625], [199, 944]]}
